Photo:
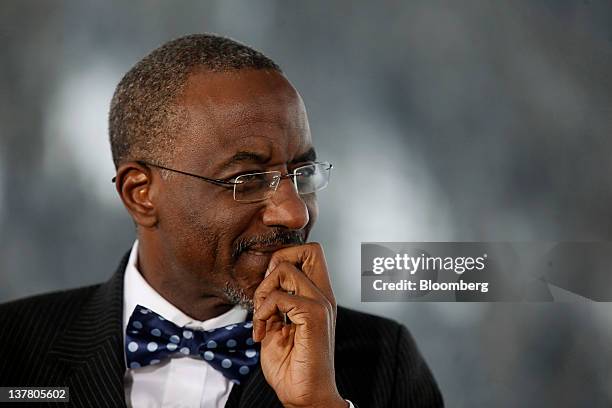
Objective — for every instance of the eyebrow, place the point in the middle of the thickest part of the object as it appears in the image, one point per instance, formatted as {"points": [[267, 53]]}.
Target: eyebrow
{"points": [[310, 155], [245, 156]]}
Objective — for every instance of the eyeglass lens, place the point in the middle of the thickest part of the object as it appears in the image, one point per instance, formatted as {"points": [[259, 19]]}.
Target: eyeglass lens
{"points": [[259, 186]]}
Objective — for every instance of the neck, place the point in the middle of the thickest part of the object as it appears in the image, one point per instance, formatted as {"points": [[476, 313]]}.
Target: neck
{"points": [[183, 291]]}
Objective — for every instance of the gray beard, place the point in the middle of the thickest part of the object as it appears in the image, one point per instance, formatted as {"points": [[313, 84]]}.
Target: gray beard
{"points": [[236, 296]]}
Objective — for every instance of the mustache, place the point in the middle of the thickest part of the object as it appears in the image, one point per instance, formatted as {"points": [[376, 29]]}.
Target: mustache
{"points": [[274, 237]]}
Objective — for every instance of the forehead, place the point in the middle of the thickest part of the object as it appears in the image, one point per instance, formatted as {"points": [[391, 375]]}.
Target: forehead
{"points": [[242, 110]]}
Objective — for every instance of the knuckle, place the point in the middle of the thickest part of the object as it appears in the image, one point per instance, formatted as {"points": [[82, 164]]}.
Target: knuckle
{"points": [[315, 247], [332, 303], [258, 300], [264, 307], [288, 271], [260, 293], [334, 309], [283, 272], [276, 257], [329, 306], [315, 254]]}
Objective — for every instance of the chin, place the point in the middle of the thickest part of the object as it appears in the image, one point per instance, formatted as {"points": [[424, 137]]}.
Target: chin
{"points": [[237, 295], [245, 277]]}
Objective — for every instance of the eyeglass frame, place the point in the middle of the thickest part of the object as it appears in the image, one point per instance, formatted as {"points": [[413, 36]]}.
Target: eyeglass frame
{"points": [[233, 184]]}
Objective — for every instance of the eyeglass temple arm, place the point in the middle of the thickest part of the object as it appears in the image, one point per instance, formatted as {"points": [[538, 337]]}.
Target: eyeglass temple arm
{"points": [[217, 181], [211, 180]]}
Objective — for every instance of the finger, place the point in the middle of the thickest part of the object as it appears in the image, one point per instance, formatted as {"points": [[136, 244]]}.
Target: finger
{"points": [[310, 259], [274, 323], [287, 277], [260, 328], [302, 312]]}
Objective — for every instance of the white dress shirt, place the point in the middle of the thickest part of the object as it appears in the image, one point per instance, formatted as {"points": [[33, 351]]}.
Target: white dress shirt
{"points": [[179, 381]]}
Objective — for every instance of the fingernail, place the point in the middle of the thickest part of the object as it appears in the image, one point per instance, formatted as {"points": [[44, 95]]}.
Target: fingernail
{"points": [[269, 270]]}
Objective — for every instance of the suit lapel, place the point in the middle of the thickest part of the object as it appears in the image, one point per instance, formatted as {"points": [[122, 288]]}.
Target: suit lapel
{"points": [[90, 351]]}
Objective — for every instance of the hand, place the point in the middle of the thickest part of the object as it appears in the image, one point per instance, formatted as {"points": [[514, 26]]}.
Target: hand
{"points": [[298, 359]]}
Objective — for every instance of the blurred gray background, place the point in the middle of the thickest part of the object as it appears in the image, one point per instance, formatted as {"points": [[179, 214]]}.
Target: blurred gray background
{"points": [[446, 120]]}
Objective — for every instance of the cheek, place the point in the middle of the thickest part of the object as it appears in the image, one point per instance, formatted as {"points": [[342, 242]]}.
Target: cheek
{"points": [[215, 230], [188, 229]]}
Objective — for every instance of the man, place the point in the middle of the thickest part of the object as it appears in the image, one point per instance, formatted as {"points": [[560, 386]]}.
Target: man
{"points": [[220, 302]]}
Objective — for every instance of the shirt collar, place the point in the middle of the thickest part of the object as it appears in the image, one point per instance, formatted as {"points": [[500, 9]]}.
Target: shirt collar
{"points": [[137, 291]]}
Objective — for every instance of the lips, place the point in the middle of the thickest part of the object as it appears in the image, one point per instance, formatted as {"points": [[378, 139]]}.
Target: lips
{"points": [[256, 258], [266, 250], [257, 253], [251, 266], [266, 243]]}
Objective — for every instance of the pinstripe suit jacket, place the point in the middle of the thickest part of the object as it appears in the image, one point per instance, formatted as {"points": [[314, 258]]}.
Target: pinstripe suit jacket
{"points": [[74, 338]]}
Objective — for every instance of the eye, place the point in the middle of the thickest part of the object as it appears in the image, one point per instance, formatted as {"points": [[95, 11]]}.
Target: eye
{"points": [[244, 175], [298, 167], [305, 169], [246, 178]]}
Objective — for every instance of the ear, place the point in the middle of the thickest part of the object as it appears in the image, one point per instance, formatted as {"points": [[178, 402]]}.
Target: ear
{"points": [[138, 191]]}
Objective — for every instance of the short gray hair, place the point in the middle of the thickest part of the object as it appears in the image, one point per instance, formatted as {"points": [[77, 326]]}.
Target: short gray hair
{"points": [[141, 108]]}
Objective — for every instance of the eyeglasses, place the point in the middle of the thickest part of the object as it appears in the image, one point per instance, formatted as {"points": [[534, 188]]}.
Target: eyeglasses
{"points": [[253, 187]]}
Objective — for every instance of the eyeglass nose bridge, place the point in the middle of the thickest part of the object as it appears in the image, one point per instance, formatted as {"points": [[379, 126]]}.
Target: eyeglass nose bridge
{"points": [[276, 179]]}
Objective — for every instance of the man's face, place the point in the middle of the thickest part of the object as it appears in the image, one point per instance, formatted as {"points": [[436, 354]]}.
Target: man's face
{"points": [[232, 123]]}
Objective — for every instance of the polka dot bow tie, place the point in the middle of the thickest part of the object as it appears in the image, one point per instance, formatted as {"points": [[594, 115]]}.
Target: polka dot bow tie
{"points": [[150, 338]]}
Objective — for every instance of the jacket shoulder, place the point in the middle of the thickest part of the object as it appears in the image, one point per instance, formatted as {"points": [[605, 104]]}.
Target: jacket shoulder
{"points": [[44, 314], [30, 328], [379, 364], [359, 329], [49, 299]]}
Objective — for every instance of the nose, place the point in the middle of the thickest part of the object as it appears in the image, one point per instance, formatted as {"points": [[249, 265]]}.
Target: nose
{"points": [[285, 208]]}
